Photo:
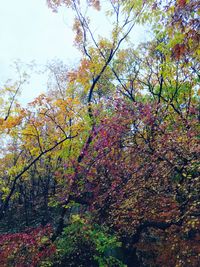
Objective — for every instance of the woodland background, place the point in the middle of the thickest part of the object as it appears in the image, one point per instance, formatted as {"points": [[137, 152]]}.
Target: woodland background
{"points": [[103, 169]]}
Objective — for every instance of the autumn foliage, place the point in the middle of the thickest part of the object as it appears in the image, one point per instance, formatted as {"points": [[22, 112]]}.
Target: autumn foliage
{"points": [[103, 169], [29, 248]]}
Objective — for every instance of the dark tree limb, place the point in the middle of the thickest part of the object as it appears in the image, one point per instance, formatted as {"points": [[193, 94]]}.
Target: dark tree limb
{"points": [[26, 168]]}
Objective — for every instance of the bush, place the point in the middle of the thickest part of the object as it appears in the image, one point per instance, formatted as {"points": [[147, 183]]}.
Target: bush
{"points": [[83, 244]]}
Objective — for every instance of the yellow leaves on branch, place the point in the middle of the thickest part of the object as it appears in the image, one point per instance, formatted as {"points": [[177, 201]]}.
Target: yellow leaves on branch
{"points": [[95, 4], [10, 123], [54, 4], [77, 28], [48, 121]]}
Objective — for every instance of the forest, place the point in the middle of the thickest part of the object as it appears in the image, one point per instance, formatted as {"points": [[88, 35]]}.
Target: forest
{"points": [[102, 169]]}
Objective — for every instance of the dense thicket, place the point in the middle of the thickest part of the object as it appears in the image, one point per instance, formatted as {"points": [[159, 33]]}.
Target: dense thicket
{"points": [[103, 169]]}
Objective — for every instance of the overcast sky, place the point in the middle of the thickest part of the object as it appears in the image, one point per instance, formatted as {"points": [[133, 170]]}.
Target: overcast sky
{"points": [[30, 31]]}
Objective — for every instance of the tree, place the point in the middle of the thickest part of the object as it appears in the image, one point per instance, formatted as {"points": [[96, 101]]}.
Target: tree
{"points": [[114, 140]]}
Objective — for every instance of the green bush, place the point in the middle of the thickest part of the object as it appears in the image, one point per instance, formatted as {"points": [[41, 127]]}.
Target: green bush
{"points": [[83, 244]]}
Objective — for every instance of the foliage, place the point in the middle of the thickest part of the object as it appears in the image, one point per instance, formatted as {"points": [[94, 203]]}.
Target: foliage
{"points": [[147, 189], [83, 244], [116, 137], [30, 248]]}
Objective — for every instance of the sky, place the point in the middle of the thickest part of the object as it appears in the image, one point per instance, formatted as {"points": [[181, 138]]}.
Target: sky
{"points": [[30, 31]]}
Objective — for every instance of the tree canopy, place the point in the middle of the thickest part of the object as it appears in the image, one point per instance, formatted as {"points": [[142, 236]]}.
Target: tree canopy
{"points": [[103, 169]]}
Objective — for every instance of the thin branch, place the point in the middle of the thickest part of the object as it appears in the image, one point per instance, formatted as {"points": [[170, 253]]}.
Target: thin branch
{"points": [[6, 202]]}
